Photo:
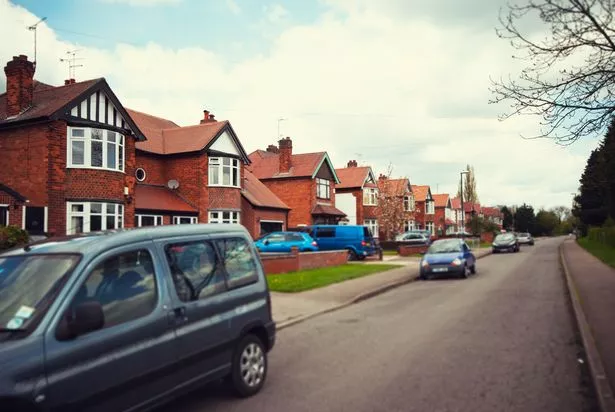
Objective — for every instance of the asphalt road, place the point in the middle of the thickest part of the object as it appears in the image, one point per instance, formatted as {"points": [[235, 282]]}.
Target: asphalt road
{"points": [[503, 340]]}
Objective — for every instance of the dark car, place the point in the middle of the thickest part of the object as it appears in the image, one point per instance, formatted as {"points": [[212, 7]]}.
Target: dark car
{"points": [[128, 320], [505, 242], [525, 239], [448, 257]]}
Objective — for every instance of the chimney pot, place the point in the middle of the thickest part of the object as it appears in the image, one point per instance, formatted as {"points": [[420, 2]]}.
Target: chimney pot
{"points": [[207, 117], [66, 82], [19, 84], [212, 118], [273, 149], [352, 163]]}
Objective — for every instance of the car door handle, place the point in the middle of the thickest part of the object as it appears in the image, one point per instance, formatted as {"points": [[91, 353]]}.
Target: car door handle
{"points": [[178, 315]]}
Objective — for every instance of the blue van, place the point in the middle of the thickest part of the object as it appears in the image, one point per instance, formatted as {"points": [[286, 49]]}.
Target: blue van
{"points": [[358, 240]]}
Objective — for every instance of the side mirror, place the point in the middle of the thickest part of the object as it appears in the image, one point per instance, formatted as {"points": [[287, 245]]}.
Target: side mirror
{"points": [[85, 317], [266, 242]]}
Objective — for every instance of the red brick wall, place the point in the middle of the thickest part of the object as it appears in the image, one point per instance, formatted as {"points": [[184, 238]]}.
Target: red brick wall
{"points": [[185, 169], [251, 217], [292, 262], [154, 166], [224, 198], [440, 220], [411, 250], [298, 194], [419, 214], [15, 208], [280, 263]]}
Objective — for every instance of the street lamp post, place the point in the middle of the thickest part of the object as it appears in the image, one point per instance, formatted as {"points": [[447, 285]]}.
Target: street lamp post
{"points": [[463, 211]]}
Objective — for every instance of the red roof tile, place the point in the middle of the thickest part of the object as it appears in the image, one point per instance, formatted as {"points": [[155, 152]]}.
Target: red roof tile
{"points": [[469, 207], [160, 198], [266, 165], [456, 203], [441, 199], [420, 192], [351, 177], [327, 210], [47, 100], [258, 194], [394, 187], [492, 211]]}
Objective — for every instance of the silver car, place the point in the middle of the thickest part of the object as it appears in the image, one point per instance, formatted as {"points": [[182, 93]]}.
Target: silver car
{"points": [[525, 239]]}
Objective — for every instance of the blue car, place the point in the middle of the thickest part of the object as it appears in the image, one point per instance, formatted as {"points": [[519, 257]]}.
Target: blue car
{"points": [[448, 257], [356, 239], [282, 242]]}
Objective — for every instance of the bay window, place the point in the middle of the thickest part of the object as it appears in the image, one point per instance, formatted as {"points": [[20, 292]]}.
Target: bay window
{"points": [[323, 188], [370, 196], [148, 220], [223, 217], [83, 217], [95, 149], [223, 171], [185, 220]]}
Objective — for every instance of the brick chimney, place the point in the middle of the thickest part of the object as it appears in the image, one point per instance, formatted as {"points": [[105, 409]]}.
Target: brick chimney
{"points": [[382, 177], [69, 81], [286, 154], [352, 163], [208, 117], [273, 149], [19, 84]]}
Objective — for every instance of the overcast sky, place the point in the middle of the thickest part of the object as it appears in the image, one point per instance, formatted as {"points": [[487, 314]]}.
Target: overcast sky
{"points": [[401, 82]]}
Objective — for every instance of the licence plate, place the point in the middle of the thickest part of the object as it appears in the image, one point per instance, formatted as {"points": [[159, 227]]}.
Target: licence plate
{"points": [[440, 269]]}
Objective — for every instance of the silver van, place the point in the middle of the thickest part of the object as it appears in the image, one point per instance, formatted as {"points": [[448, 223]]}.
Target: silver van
{"points": [[127, 320]]}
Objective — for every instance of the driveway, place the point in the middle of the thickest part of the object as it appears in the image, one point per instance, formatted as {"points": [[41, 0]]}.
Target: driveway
{"points": [[501, 341]]}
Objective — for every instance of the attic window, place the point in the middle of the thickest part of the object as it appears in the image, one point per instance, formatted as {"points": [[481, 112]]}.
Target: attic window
{"points": [[223, 171]]}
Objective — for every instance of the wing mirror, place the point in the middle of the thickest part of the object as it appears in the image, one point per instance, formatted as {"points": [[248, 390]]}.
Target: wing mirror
{"points": [[82, 319]]}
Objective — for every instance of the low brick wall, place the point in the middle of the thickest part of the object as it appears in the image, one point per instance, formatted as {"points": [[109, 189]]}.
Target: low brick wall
{"points": [[294, 261], [411, 250]]}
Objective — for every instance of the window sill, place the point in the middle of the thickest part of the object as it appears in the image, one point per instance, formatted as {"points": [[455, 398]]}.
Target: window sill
{"points": [[102, 169], [227, 186]]}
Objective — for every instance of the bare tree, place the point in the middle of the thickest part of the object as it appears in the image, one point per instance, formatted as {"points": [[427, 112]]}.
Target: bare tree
{"points": [[569, 79], [391, 205]]}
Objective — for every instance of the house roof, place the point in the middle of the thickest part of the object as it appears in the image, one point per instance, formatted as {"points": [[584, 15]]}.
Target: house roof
{"points": [[441, 199], [320, 210], [420, 192], [352, 177], [266, 165], [469, 207], [258, 194], [13, 193], [491, 211], [456, 203], [149, 197], [394, 187]]}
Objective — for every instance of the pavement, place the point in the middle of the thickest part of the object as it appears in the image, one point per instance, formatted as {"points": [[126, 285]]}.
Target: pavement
{"points": [[503, 340], [592, 287], [292, 308]]}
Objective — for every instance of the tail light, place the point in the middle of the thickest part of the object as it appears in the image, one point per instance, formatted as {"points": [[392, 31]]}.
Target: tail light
{"points": [[314, 243], [363, 243]]}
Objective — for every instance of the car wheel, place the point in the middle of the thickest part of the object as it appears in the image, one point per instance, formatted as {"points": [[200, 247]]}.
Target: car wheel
{"points": [[249, 369], [352, 255], [466, 272], [473, 269]]}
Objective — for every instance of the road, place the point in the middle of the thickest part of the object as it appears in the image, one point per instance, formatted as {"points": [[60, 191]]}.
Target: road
{"points": [[503, 340]]}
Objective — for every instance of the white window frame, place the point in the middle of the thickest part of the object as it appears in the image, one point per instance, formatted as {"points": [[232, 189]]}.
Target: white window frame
{"points": [[323, 184], [86, 215], [409, 203], [158, 219], [120, 146], [410, 225], [372, 224], [218, 163], [217, 217], [370, 196], [191, 220], [431, 227], [430, 208], [7, 213]]}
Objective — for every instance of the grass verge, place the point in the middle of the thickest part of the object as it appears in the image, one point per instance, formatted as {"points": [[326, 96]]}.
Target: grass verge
{"points": [[601, 251], [317, 278], [389, 252]]}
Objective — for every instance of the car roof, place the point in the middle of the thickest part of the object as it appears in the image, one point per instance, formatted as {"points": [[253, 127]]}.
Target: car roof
{"points": [[448, 240], [95, 242]]}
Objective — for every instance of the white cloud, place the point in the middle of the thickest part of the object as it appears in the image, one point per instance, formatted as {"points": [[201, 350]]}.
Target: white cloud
{"points": [[362, 85], [233, 6], [142, 2], [275, 13]]}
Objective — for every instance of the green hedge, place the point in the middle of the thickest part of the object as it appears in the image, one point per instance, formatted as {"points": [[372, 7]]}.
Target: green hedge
{"points": [[604, 235], [11, 236]]}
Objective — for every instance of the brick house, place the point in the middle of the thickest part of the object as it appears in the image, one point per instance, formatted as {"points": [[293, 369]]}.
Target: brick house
{"points": [[457, 213], [196, 174], [357, 196], [305, 182], [493, 215], [396, 207], [471, 210], [444, 216], [68, 154], [425, 208]]}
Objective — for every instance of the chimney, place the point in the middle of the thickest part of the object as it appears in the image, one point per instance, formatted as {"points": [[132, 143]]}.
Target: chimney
{"points": [[208, 117], [19, 84], [273, 149], [382, 177], [286, 153], [352, 163], [66, 82]]}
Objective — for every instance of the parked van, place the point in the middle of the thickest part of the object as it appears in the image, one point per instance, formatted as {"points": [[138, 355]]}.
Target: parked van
{"points": [[358, 240], [127, 320]]}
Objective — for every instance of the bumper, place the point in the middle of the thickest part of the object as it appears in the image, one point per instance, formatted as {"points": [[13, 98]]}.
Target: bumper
{"points": [[507, 248], [442, 270], [271, 330]]}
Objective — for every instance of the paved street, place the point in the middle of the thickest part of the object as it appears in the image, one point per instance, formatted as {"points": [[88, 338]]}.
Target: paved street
{"points": [[501, 341]]}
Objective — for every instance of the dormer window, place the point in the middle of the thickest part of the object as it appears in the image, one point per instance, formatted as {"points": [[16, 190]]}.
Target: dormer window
{"points": [[90, 148], [370, 196], [224, 171], [323, 189]]}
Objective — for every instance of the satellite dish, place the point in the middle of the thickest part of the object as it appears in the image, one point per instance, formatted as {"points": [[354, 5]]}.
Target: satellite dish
{"points": [[172, 184]]}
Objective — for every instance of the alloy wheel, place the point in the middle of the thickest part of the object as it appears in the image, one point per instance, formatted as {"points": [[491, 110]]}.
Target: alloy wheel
{"points": [[252, 365]]}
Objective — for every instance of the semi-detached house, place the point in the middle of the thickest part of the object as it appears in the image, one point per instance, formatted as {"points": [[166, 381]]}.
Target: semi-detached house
{"points": [[357, 196]]}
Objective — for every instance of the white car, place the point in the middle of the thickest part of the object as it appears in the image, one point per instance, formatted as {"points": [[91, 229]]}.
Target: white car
{"points": [[525, 239]]}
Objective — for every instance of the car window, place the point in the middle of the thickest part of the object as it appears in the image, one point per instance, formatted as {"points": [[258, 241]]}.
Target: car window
{"points": [[295, 237], [325, 232], [238, 261], [276, 238], [195, 269], [124, 285]]}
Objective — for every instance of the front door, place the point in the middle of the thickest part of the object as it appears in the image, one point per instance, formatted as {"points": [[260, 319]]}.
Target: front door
{"points": [[4, 216], [132, 358], [35, 220]]}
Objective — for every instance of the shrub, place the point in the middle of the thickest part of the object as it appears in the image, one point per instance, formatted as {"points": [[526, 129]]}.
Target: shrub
{"points": [[604, 235], [11, 236]]}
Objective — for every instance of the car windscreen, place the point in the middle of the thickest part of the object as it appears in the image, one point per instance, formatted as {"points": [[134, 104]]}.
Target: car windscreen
{"points": [[445, 246], [28, 283], [504, 237]]}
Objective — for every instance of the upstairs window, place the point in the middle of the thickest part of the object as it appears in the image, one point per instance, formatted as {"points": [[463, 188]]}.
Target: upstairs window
{"points": [[95, 149], [223, 171], [430, 207], [370, 196], [323, 189], [408, 203]]}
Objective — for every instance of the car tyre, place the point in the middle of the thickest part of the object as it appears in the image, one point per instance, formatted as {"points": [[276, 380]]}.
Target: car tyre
{"points": [[249, 369], [352, 255], [473, 269], [466, 272]]}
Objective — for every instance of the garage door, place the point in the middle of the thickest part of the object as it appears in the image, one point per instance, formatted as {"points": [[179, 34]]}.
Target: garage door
{"points": [[268, 227]]}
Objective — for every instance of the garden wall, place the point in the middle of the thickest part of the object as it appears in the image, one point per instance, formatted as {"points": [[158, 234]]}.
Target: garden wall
{"points": [[295, 261]]}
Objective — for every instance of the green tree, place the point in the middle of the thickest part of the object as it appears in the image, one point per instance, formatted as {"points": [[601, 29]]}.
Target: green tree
{"points": [[547, 223], [470, 194], [507, 220], [525, 219]]}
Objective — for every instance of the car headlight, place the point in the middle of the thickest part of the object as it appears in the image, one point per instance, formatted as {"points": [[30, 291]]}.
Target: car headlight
{"points": [[424, 263], [456, 262]]}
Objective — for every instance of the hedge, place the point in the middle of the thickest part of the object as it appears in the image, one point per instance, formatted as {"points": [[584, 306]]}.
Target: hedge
{"points": [[604, 235], [11, 236]]}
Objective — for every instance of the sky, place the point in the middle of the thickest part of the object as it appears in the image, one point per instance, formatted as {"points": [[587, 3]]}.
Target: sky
{"points": [[399, 83]]}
